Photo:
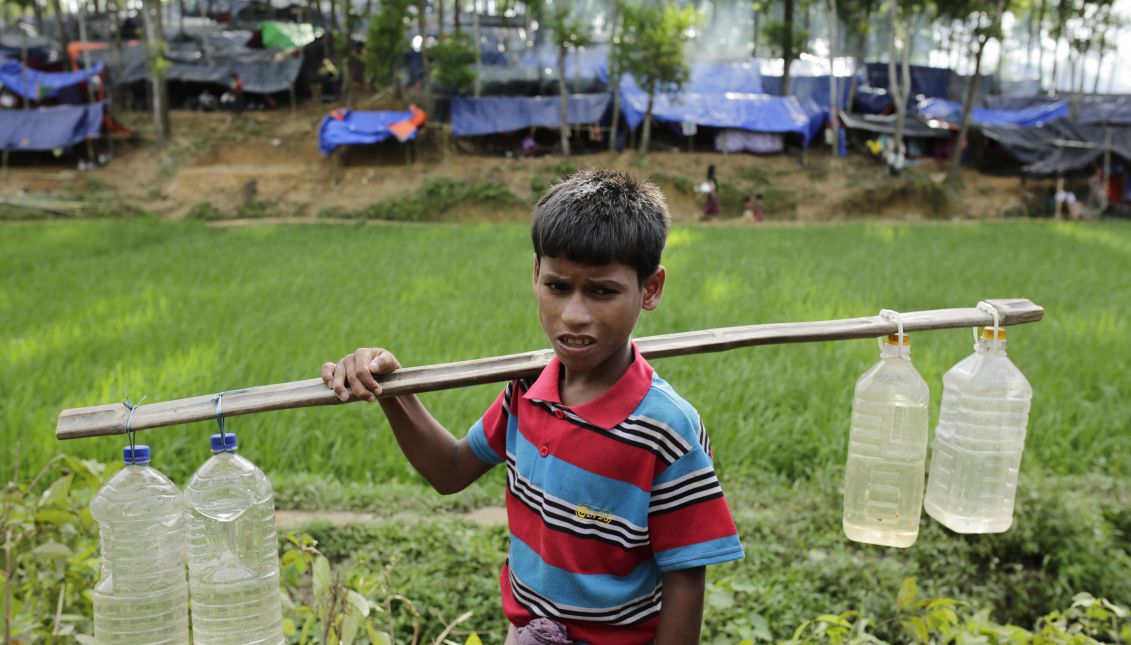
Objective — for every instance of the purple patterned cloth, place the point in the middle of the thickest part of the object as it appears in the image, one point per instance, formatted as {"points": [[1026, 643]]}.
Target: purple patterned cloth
{"points": [[542, 631]]}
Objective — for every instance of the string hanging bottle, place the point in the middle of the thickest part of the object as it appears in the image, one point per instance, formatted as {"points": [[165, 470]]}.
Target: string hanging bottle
{"points": [[887, 450], [976, 457], [232, 551], [141, 598]]}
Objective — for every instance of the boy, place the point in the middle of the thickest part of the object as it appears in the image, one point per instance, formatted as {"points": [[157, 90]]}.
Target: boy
{"points": [[612, 500]]}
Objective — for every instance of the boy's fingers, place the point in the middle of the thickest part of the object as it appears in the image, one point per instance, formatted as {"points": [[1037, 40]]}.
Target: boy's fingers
{"points": [[363, 373], [328, 374], [340, 381], [356, 387]]}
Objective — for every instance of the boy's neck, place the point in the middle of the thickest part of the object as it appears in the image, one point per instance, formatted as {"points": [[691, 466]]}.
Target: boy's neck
{"points": [[580, 388]]}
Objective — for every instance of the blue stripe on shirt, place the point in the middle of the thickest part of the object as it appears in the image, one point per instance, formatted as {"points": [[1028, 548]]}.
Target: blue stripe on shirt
{"points": [[477, 440], [723, 549], [587, 590]]}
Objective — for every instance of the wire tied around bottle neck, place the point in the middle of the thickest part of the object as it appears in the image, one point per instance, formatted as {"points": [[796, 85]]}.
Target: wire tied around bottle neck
{"points": [[992, 310], [130, 432], [219, 400], [893, 315]]}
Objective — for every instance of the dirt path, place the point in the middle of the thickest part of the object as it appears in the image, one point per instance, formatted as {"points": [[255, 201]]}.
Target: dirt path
{"points": [[486, 516]]}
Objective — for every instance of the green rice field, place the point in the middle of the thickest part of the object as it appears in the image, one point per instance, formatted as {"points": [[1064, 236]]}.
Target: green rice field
{"points": [[93, 310]]}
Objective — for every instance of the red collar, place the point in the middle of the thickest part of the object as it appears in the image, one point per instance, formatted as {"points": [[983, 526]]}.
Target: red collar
{"points": [[609, 409]]}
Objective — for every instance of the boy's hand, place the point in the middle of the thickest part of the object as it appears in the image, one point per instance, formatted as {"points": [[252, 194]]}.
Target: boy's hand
{"points": [[354, 373]]}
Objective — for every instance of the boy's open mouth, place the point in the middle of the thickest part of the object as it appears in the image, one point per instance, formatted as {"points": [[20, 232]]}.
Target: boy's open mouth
{"points": [[576, 343]]}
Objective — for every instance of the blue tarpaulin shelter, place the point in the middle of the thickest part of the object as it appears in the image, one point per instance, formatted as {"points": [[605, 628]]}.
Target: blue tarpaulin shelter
{"points": [[712, 78], [490, 115], [48, 128], [1093, 110], [349, 127], [753, 112], [1035, 115], [810, 88], [35, 84]]}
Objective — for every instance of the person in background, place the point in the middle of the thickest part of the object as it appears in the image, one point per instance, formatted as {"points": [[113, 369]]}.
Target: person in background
{"points": [[711, 206], [753, 210], [206, 101], [235, 87], [328, 79]]}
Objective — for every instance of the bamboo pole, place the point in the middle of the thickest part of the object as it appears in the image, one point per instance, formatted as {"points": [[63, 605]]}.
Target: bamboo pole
{"points": [[103, 420]]}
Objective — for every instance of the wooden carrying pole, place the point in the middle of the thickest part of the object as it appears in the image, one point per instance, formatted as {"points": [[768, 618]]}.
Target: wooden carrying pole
{"points": [[111, 419]]}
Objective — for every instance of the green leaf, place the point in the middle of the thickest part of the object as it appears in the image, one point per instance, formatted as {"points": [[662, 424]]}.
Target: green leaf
{"points": [[916, 628], [289, 627], [835, 620], [349, 627], [53, 551], [321, 580], [377, 637], [473, 639], [57, 517], [359, 602], [907, 593], [56, 493]]}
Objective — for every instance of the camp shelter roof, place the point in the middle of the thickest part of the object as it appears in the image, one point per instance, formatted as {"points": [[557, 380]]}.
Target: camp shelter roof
{"points": [[913, 126], [741, 111], [344, 127], [489, 115], [707, 78], [1060, 146], [261, 70], [288, 35], [48, 128], [35, 84], [1102, 109], [925, 81], [950, 111]]}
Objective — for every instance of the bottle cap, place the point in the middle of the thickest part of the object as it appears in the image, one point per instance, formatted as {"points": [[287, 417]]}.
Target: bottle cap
{"points": [[224, 443], [988, 333], [138, 455], [893, 339]]}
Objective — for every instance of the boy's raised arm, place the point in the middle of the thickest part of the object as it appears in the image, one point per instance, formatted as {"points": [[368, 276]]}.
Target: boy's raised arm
{"points": [[447, 463], [681, 615]]}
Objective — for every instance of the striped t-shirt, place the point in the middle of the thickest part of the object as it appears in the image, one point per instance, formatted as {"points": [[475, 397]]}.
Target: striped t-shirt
{"points": [[602, 498]]}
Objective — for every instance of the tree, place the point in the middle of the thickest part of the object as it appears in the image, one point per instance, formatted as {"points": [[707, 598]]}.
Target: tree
{"points": [[158, 65], [834, 104], [652, 51], [984, 19], [786, 41], [616, 65], [386, 43], [569, 33], [453, 61]]}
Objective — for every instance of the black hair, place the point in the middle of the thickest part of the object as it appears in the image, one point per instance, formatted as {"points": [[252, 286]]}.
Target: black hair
{"points": [[758, 196], [711, 172], [601, 216]]}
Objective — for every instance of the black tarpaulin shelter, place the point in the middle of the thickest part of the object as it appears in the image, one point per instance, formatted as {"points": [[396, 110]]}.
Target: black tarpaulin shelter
{"points": [[1061, 147], [914, 125]]}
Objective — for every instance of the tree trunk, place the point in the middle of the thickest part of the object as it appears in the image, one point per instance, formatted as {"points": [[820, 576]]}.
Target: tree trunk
{"points": [[345, 48], [1041, 44], [155, 43], [834, 103], [787, 48], [646, 134], [478, 50], [563, 101], [37, 11], [118, 91], [425, 76], [181, 20], [439, 20], [60, 29], [953, 175], [614, 74], [860, 64], [455, 14], [757, 27], [898, 96]]}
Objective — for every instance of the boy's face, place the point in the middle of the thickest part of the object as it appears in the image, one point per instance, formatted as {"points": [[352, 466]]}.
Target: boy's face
{"points": [[588, 312]]}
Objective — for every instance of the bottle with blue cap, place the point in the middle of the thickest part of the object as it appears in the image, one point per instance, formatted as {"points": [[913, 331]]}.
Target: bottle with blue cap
{"points": [[142, 595], [232, 551]]}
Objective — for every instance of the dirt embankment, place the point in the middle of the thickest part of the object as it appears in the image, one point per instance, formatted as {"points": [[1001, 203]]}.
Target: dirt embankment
{"points": [[270, 160]]}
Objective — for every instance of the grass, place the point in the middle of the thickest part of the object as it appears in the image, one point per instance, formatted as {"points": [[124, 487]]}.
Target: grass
{"points": [[95, 310]]}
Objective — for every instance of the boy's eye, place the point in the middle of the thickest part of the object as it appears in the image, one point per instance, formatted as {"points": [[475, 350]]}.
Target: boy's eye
{"points": [[557, 287], [603, 291]]}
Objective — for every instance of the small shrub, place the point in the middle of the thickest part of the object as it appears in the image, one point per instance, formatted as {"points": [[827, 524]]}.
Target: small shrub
{"points": [[439, 196], [205, 211]]}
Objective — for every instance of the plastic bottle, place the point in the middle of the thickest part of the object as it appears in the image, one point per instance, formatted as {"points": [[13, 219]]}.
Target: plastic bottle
{"points": [[142, 596], [232, 551], [887, 451], [979, 439]]}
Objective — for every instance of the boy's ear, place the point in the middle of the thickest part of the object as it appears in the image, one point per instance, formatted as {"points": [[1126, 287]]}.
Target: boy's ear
{"points": [[537, 264], [654, 289]]}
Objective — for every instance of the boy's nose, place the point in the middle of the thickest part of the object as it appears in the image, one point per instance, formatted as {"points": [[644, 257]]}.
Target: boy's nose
{"points": [[575, 314]]}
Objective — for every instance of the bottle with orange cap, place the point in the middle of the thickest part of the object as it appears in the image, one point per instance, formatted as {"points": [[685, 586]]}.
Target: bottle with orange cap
{"points": [[976, 457], [887, 450]]}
